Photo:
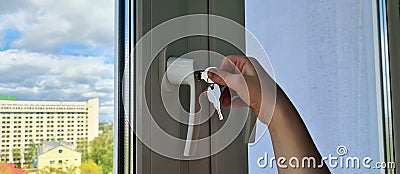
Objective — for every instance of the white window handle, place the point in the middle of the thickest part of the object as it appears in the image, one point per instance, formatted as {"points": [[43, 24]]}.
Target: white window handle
{"points": [[180, 72]]}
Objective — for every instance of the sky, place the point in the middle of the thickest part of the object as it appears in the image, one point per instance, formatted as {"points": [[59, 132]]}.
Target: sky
{"points": [[58, 50]]}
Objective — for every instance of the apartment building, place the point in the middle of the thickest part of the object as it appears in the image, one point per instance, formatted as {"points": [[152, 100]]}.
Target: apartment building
{"points": [[23, 122]]}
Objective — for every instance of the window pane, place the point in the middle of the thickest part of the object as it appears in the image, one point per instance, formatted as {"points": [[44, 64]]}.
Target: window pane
{"points": [[322, 53], [57, 84]]}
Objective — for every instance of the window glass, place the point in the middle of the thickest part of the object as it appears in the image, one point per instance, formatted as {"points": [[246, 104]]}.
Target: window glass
{"points": [[322, 53], [57, 83]]}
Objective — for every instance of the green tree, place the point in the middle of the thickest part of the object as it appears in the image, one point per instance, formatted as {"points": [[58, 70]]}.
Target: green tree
{"points": [[101, 149], [90, 167], [107, 160], [30, 154], [82, 146], [56, 170], [17, 155], [50, 170]]}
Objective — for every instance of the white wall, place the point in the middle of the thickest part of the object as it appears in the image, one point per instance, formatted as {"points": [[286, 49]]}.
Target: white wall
{"points": [[322, 53]]}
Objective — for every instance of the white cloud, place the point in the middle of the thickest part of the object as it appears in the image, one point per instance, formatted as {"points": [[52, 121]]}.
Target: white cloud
{"points": [[47, 24], [36, 76], [35, 69], [9, 6]]}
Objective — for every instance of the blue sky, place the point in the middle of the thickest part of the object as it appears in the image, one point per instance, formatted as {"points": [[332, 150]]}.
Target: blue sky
{"points": [[9, 36], [58, 50]]}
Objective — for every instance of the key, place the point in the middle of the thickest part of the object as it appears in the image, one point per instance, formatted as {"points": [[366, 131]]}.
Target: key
{"points": [[204, 76], [213, 94], [213, 90]]}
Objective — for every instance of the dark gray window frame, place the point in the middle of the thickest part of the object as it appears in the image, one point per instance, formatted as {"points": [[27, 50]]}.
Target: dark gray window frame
{"points": [[390, 54], [386, 27]]}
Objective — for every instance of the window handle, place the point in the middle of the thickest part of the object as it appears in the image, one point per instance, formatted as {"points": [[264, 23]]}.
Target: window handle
{"points": [[180, 71]]}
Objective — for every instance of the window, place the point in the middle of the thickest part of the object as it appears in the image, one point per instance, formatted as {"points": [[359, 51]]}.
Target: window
{"points": [[331, 59], [67, 71]]}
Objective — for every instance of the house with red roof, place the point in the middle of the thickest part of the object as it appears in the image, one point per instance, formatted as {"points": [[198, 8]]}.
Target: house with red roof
{"points": [[10, 169]]}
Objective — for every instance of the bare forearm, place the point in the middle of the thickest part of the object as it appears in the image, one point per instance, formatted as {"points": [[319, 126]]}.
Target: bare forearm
{"points": [[291, 139]]}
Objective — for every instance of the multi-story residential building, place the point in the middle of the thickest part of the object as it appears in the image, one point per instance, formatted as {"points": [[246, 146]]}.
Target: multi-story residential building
{"points": [[26, 122], [58, 155]]}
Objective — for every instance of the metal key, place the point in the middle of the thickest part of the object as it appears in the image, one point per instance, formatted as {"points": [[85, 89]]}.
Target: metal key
{"points": [[213, 94], [213, 90]]}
